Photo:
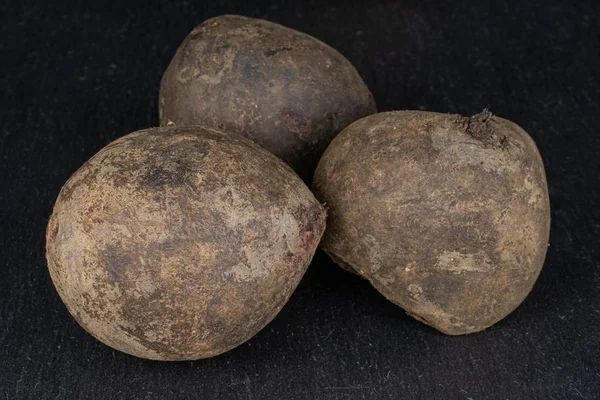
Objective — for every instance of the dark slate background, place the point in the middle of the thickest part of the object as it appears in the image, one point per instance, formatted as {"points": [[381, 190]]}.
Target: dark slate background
{"points": [[76, 75]]}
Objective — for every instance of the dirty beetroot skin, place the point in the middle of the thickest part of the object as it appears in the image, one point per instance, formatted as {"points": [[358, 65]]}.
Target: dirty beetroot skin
{"points": [[285, 90], [180, 243], [446, 216]]}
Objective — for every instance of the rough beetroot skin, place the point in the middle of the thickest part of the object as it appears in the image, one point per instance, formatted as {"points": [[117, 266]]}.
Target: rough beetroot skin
{"points": [[446, 216], [285, 90], [180, 243]]}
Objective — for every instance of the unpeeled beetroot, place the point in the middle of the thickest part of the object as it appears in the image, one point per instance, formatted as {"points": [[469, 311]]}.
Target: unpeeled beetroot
{"points": [[446, 216], [284, 89], [180, 243]]}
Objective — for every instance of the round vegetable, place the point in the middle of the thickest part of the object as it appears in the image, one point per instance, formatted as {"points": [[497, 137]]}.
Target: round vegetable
{"points": [[285, 90], [180, 243], [446, 216]]}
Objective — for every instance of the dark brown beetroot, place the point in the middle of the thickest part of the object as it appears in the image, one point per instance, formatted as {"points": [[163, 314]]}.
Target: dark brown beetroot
{"points": [[180, 243], [446, 216], [285, 90]]}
